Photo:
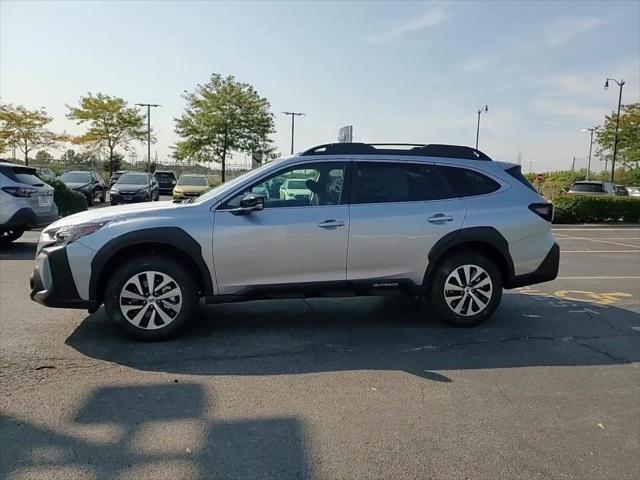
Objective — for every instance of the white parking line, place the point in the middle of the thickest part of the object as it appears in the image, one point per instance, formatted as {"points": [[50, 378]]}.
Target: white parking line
{"points": [[613, 229], [599, 251], [598, 278], [603, 238], [567, 237]]}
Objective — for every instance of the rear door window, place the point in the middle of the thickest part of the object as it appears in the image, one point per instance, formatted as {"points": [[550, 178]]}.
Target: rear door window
{"points": [[385, 182], [468, 183], [22, 175]]}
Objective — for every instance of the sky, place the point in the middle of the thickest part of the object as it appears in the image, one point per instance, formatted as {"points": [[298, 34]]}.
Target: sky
{"points": [[397, 71]]}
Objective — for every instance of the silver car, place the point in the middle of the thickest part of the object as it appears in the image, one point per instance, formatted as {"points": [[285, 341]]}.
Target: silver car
{"points": [[440, 221], [25, 202]]}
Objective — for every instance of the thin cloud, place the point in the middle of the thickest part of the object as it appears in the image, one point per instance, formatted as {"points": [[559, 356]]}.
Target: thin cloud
{"points": [[562, 32], [425, 20]]}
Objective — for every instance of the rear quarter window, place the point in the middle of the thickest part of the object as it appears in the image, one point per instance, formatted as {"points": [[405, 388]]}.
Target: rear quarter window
{"points": [[468, 183]]}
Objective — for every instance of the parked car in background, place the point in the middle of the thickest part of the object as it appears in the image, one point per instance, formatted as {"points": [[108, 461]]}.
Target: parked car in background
{"points": [[440, 221], [45, 172], [190, 185], [134, 187], [116, 175], [592, 187], [634, 191], [89, 183], [294, 188], [166, 180], [25, 202], [621, 191]]}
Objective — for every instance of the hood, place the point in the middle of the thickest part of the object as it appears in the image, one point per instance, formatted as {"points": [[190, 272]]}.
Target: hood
{"points": [[192, 188], [76, 185], [129, 187], [119, 212]]}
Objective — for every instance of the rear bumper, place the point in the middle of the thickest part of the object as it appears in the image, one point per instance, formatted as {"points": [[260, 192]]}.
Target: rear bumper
{"points": [[26, 218], [547, 271], [52, 283]]}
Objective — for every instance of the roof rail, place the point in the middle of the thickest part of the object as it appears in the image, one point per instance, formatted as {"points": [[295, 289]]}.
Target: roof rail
{"points": [[417, 149]]}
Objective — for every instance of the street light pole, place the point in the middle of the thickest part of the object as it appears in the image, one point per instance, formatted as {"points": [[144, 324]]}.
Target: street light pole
{"points": [[485, 108], [293, 124], [590, 148], [615, 139], [148, 105]]}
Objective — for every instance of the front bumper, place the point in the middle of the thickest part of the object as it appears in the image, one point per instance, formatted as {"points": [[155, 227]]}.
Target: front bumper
{"points": [[52, 283], [547, 271], [27, 218], [126, 198]]}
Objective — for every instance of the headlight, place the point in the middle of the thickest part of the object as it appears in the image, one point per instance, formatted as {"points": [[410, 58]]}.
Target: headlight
{"points": [[113, 190], [173, 182], [67, 234]]}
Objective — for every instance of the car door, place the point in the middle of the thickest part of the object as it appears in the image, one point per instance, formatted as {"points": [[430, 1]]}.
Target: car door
{"points": [[291, 241], [398, 211]]}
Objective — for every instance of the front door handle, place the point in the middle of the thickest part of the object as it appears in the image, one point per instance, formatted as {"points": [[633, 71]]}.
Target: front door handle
{"points": [[440, 217], [331, 224]]}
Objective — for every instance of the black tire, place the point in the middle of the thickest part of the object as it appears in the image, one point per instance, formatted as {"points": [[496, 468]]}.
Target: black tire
{"points": [[183, 281], [113, 203], [8, 236], [470, 312], [103, 198], [90, 199]]}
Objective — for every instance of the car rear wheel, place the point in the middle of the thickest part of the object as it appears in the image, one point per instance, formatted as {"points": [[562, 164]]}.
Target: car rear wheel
{"points": [[151, 298], [466, 289], [8, 236]]}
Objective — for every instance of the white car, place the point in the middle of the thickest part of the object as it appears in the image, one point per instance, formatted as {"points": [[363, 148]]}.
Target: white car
{"points": [[634, 191], [294, 189], [25, 202]]}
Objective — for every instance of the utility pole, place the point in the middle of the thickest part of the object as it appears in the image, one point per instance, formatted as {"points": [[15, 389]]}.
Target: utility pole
{"points": [[590, 148], [148, 105], [615, 140], [293, 124], [485, 108], [573, 164]]}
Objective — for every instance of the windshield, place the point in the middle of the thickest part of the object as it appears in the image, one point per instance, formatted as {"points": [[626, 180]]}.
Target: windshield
{"points": [[297, 185], [587, 187], [133, 179], [76, 177], [164, 175], [193, 181]]}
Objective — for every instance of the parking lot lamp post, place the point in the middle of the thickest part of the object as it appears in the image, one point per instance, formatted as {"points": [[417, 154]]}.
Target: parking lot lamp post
{"points": [[590, 148], [615, 138], [148, 105], [485, 108], [293, 124]]}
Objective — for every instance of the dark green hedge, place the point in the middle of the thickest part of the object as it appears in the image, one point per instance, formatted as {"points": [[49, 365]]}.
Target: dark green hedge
{"points": [[595, 209], [67, 200]]}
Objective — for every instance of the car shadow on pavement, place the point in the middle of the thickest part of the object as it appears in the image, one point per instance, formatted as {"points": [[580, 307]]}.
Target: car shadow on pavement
{"points": [[153, 431], [22, 250], [384, 333]]}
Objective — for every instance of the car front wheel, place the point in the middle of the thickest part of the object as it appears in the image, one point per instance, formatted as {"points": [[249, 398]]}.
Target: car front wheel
{"points": [[466, 289], [151, 298]]}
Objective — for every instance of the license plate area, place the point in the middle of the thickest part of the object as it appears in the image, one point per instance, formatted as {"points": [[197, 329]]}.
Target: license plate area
{"points": [[44, 201]]}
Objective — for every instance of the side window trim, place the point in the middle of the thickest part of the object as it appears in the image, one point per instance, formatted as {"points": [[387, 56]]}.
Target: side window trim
{"points": [[344, 197]]}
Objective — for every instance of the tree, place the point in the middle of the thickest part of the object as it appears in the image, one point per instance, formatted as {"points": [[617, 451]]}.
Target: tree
{"points": [[111, 123], [224, 116], [68, 157], [26, 129], [628, 135], [114, 163], [43, 157]]}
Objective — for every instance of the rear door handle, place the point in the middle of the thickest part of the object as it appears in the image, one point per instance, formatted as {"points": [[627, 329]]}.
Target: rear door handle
{"points": [[440, 217], [331, 224]]}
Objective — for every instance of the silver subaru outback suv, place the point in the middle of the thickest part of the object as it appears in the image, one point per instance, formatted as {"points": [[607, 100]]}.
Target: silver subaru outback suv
{"points": [[441, 221]]}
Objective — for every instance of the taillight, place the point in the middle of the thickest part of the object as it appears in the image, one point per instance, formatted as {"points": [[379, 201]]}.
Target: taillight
{"points": [[544, 210], [19, 191]]}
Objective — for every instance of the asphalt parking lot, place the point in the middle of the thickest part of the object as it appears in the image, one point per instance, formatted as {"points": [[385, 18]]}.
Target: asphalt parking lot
{"points": [[347, 388]]}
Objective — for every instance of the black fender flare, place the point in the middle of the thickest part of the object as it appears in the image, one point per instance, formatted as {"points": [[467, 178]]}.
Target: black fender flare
{"points": [[174, 237], [486, 235]]}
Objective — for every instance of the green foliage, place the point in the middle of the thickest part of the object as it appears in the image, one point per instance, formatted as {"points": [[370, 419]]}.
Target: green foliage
{"points": [[628, 135], [67, 200], [595, 209], [114, 163], [111, 122], [25, 129], [223, 116], [558, 183], [43, 157]]}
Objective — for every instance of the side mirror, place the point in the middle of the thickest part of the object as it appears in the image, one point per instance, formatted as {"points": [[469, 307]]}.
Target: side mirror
{"points": [[249, 203]]}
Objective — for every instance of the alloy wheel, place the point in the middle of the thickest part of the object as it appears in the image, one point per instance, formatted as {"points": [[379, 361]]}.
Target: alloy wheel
{"points": [[468, 290], [150, 300]]}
